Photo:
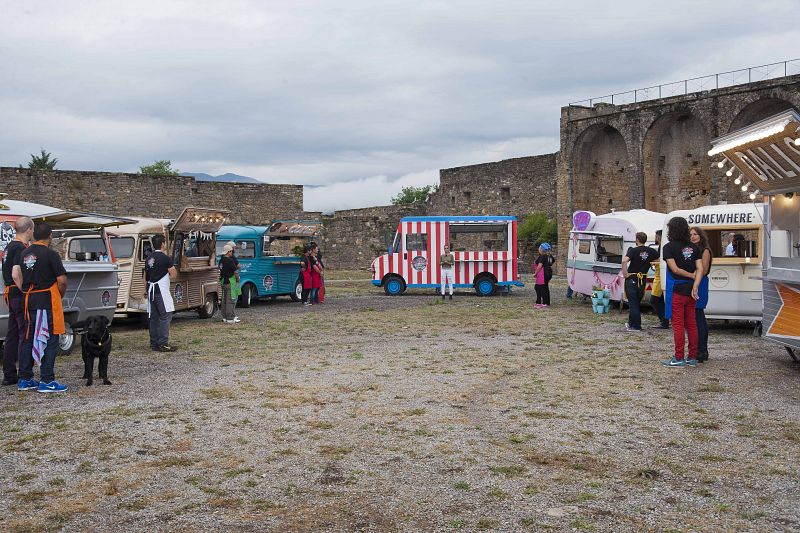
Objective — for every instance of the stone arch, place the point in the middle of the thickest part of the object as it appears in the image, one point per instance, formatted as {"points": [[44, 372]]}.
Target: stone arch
{"points": [[599, 179], [677, 173], [759, 110]]}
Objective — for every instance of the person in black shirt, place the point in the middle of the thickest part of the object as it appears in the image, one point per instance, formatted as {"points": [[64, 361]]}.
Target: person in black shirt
{"points": [[158, 271], [14, 298], [228, 279], [635, 266], [684, 273], [44, 282]]}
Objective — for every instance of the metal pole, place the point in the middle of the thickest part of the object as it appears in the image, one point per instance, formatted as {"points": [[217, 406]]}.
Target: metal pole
{"points": [[717, 76], [659, 92], [685, 86], [749, 75], [784, 68]]}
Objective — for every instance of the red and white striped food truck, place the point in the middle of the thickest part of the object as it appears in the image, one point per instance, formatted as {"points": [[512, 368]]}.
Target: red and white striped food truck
{"points": [[484, 249]]}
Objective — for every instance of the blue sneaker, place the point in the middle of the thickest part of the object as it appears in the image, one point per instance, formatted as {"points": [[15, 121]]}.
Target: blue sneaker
{"points": [[53, 386], [27, 384], [691, 362], [674, 362]]}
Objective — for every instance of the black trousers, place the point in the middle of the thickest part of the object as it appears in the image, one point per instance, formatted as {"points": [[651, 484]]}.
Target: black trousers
{"points": [[542, 293]]}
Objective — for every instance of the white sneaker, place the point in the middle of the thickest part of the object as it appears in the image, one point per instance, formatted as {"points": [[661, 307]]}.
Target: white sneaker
{"points": [[236, 319]]}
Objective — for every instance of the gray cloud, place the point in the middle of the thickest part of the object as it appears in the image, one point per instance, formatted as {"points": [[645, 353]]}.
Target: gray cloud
{"points": [[375, 95]]}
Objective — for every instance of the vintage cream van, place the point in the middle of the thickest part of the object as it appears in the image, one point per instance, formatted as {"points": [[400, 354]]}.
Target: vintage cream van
{"points": [[734, 290], [191, 242]]}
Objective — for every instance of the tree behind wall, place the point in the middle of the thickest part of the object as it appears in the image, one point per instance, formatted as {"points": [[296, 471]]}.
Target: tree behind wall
{"points": [[42, 161], [160, 168], [538, 228], [412, 195]]}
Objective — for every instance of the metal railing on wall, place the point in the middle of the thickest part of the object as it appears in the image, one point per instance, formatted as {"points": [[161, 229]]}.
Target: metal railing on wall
{"points": [[696, 85]]}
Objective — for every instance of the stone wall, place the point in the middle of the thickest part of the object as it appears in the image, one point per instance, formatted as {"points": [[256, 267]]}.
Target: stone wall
{"points": [[163, 197], [516, 186], [354, 237]]}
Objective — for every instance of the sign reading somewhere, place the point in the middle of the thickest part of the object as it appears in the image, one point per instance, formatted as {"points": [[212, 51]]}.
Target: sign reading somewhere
{"points": [[721, 218], [583, 220]]}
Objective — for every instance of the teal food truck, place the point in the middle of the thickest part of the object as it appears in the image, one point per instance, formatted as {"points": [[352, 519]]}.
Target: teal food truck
{"points": [[269, 257]]}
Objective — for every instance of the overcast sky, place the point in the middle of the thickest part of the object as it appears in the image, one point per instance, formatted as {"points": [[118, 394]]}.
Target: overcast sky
{"points": [[357, 98]]}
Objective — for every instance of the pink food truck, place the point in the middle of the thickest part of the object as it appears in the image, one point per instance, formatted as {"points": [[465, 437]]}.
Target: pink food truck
{"points": [[484, 249]]}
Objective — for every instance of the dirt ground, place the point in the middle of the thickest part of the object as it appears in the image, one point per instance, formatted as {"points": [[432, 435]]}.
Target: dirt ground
{"points": [[376, 413]]}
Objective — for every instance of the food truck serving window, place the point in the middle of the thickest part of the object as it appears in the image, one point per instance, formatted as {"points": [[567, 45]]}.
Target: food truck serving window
{"points": [[465, 237], [609, 249], [244, 249], [122, 247], [734, 242], [785, 231], [416, 242], [86, 249]]}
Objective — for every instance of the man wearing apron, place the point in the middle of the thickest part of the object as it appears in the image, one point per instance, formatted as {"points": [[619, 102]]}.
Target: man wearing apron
{"points": [[158, 270], [44, 281], [14, 299]]}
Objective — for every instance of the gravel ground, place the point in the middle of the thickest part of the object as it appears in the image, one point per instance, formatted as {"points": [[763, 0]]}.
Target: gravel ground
{"points": [[373, 413]]}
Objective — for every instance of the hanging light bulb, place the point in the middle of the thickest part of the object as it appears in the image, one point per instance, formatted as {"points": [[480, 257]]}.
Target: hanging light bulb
{"points": [[721, 164], [729, 173], [745, 186], [752, 195], [738, 180]]}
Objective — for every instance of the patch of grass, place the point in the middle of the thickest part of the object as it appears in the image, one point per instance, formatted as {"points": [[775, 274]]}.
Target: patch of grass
{"points": [[11, 446], [582, 523], [334, 451], [711, 387], [701, 424], [24, 478], [458, 523], [508, 471], [582, 497], [319, 424], [237, 472], [219, 393], [172, 461], [134, 505], [751, 515], [416, 412], [647, 473], [518, 439], [497, 494], [57, 482], [461, 485], [85, 468], [484, 524]]}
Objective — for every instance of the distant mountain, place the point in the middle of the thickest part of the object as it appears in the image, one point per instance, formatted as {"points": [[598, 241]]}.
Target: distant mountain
{"points": [[228, 177]]}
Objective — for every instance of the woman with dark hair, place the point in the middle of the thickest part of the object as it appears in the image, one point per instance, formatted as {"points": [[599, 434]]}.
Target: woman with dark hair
{"points": [[700, 239], [683, 276]]}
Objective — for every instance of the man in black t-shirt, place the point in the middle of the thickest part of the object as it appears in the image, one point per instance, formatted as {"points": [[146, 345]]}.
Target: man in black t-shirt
{"points": [[44, 281], [635, 266], [14, 299], [158, 271]]}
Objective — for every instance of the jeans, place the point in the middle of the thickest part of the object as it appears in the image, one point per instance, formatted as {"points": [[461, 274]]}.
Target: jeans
{"points": [[658, 305], [227, 303], [46, 372], [702, 332], [634, 289], [569, 292], [684, 317], [13, 343], [159, 321], [313, 295]]}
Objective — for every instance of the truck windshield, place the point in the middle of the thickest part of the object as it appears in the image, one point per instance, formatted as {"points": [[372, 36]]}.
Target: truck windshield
{"points": [[122, 247], [86, 248]]}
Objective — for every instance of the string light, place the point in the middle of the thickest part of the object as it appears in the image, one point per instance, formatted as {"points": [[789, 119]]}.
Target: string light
{"points": [[746, 186], [753, 195], [729, 173], [738, 180]]}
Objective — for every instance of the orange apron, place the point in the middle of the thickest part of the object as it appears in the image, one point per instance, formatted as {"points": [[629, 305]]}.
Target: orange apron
{"points": [[55, 305]]}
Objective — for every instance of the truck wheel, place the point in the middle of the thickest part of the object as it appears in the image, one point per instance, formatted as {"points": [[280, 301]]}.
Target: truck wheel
{"points": [[394, 286], [297, 294], [247, 295], [485, 285], [209, 306], [67, 341]]}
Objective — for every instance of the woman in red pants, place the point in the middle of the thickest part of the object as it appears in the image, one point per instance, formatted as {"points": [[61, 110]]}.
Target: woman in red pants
{"points": [[684, 273]]}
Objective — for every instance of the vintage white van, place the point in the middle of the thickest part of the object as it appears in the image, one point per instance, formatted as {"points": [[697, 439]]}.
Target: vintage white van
{"points": [[598, 243], [736, 236]]}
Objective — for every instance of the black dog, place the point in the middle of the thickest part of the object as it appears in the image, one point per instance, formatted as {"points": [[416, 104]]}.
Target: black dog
{"points": [[96, 342]]}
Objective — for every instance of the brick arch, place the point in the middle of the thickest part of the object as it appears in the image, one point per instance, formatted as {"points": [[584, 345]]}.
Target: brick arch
{"points": [[599, 177], [677, 173], [759, 110]]}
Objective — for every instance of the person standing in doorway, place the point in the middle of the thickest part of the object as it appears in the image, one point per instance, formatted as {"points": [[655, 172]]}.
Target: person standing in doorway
{"points": [[657, 293], [44, 282], [543, 271], [14, 299], [447, 266], [229, 281], [160, 306], [730, 249], [635, 266], [700, 239], [684, 268]]}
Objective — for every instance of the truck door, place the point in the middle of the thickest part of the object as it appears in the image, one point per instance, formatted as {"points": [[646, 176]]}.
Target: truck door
{"points": [[417, 253]]}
